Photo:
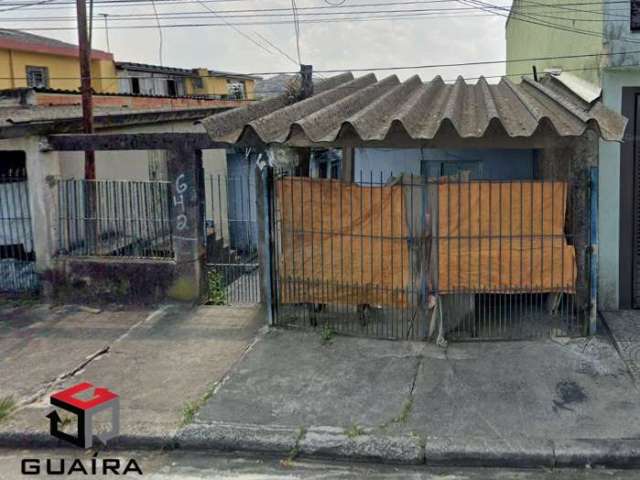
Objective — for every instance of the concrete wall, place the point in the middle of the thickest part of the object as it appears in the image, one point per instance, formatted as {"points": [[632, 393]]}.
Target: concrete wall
{"points": [[492, 164], [44, 167], [64, 71], [529, 40], [609, 200]]}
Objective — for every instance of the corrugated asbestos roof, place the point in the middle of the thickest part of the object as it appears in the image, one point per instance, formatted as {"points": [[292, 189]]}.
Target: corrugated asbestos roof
{"points": [[370, 109]]}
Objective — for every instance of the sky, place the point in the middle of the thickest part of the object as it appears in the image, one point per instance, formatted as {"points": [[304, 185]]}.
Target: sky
{"points": [[418, 40]]}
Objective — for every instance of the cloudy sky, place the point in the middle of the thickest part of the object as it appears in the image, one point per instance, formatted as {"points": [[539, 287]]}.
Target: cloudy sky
{"points": [[454, 33]]}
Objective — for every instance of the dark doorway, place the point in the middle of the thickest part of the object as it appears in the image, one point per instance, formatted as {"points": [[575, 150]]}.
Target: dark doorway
{"points": [[630, 202], [171, 88]]}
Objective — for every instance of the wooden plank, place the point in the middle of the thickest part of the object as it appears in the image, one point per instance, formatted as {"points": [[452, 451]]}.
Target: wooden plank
{"points": [[135, 141]]}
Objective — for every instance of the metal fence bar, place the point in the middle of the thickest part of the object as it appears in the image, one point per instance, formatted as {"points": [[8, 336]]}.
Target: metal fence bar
{"points": [[132, 218], [17, 253], [523, 254]]}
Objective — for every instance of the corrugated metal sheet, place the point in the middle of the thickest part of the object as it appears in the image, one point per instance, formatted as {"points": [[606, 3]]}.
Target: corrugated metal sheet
{"points": [[373, 108]]}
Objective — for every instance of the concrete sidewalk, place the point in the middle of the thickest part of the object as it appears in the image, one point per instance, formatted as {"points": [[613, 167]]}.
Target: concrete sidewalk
{"points": [[538, 403], [161, 362]]}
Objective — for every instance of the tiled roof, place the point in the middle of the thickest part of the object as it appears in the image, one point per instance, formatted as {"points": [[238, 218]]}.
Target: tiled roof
{"points": [[11, 38], [18, 121], [369, 109]]}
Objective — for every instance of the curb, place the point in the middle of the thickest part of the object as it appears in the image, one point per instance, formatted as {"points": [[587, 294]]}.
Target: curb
{"points": [[333, 443]]}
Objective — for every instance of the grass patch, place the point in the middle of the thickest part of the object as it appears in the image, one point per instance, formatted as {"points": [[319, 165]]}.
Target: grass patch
{"points": [[354, 431], [295, 451], [191, 408], [326, 334], [7, 405], [217, 294]]}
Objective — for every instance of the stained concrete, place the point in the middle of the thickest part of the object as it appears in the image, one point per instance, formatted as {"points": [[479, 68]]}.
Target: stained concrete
{"points": [[157, 360], [491, 398]]}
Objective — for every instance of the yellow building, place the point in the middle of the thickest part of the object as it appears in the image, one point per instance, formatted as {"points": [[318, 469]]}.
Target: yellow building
{"points": [[140, 78], [28, 60]]}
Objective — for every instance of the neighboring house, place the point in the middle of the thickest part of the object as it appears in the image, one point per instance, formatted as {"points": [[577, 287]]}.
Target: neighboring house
{"points": [[138, 78], [28, 60], [499, 245], [613, 32], [29, 220]]}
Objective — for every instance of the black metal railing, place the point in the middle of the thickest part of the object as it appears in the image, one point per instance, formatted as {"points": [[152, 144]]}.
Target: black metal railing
{"points": [[109, 218], [17, 251], [232, 239], [411, 257]]}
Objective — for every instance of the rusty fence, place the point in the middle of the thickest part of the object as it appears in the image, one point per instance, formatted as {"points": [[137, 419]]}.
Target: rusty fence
{"points": [[449, 258], [114, 218], [17, 253]]}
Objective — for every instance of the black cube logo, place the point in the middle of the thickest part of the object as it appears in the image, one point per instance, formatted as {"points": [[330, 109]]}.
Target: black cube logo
{"points": [[84, 409]]}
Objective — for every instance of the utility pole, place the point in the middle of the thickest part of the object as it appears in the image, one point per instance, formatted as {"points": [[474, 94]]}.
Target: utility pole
{"points": [[85, 86], [90, 194]]}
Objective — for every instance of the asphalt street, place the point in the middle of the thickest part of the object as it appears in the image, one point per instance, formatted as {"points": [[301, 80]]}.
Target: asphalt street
{"points": [[194, 466]]}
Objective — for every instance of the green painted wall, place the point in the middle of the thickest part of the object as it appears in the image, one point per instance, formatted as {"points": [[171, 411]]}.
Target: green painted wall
{"points": [[531, 40]]}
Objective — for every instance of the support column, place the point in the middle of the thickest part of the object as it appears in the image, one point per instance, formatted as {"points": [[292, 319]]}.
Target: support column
{"points": [[42, 170], [187, 201]]}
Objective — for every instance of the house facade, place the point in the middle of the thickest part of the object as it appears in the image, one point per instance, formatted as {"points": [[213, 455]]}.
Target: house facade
{"points": [[28, 60], [596, 49]]}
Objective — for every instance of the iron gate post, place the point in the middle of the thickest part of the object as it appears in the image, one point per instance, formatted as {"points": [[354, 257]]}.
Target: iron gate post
{"points": [[266, 243], [187, 223], [593, 260]]}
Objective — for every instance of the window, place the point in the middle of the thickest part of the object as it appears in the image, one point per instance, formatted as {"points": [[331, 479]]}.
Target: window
{"points": [[635, 15], [135, 86], [451, 168], [197, 83], [38, 77], [235, 89], [12, 163]]}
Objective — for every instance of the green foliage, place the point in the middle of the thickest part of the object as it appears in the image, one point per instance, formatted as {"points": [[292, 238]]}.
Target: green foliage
{"points": [[295, 451], [189, 411], [191, 408], [217, 294], [327, 334], [7, 405], [354, 431]]}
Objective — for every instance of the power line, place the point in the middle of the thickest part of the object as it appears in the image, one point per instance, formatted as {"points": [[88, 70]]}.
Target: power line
{"points": [[398, 68], [132, 3], [247, 36], [287, 13]]}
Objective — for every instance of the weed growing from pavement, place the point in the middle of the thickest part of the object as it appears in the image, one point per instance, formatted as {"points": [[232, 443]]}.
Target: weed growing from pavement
{"points": [[7, 404], [354, 431], [191, 408], [217, 294], [295, 451], [407, 406], [402, 417], [326, 334]]}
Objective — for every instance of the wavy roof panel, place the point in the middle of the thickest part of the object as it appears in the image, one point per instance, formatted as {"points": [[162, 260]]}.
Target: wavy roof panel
{"points": [[374, 108]]}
